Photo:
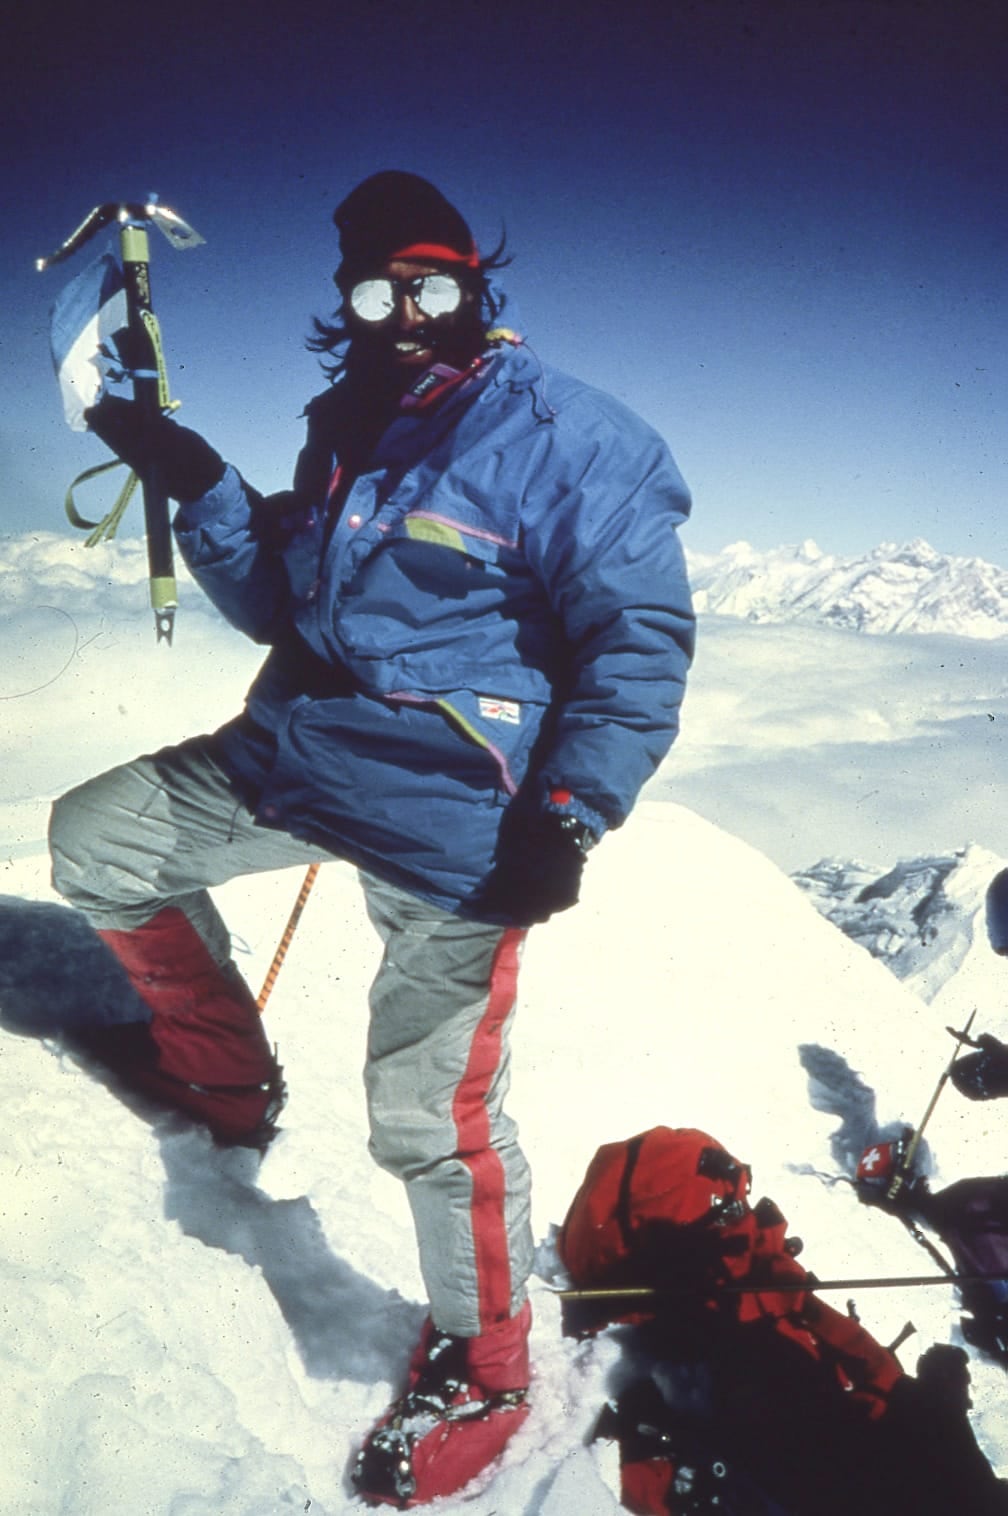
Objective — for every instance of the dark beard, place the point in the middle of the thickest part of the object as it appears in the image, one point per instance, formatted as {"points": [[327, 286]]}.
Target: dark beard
{"points": [[371, 361]]}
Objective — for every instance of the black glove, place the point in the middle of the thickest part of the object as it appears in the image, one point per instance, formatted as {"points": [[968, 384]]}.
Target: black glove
{"points": [[537, 869], [982, 1075], [189, 466]]}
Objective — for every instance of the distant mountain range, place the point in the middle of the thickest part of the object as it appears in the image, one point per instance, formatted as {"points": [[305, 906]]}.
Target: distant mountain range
{"points": [[908, 588]]}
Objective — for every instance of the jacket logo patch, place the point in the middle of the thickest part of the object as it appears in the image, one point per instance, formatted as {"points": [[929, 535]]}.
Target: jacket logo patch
{"points": [[499, 710]]}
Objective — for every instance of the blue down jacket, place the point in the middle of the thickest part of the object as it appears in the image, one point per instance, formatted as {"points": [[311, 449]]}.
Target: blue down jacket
{"points": [[500, 610]]}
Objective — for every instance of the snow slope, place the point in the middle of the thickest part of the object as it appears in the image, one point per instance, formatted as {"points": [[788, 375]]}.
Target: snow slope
{"points": [[187, 1336]]}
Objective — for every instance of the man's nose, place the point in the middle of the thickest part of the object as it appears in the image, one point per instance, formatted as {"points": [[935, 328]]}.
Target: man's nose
{"points": [[410, 314]]}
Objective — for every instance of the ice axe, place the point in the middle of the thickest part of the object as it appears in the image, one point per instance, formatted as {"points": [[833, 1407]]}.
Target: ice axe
{"points": [[809, 1285], [146, 369], [905, 1165]]}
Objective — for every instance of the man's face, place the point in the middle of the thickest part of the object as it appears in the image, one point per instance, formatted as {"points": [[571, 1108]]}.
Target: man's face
{"points": [[399, 345]]}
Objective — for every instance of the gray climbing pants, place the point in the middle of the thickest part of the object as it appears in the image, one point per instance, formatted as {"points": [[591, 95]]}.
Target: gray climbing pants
{"points": [[160, 831]]}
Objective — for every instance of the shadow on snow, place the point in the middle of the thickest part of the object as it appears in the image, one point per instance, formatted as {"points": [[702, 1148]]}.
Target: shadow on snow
{"points": [[56, 977]]}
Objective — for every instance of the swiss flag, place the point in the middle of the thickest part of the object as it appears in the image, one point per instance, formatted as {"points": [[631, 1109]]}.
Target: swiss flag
{"points": [[879, 1161]]}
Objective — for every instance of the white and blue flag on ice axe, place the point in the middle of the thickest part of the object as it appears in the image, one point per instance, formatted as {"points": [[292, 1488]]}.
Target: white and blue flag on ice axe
{"points": [[85, 322]]}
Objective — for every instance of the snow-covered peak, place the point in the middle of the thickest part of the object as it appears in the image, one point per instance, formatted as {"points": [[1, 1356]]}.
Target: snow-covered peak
{"points": [[908, 587], [923, 918]]}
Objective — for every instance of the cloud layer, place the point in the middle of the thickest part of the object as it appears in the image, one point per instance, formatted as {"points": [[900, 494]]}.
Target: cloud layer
{"points": [[804, 741]]}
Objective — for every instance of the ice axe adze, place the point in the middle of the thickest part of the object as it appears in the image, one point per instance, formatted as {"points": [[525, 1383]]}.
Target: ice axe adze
{"points": [[145, 363]]}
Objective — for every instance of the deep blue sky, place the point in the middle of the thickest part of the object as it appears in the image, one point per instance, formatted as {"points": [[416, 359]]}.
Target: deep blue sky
{"points": [[776, 229]]}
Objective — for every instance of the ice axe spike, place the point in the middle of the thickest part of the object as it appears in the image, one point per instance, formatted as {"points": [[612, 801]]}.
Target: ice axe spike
{"points": [[149, 376]]}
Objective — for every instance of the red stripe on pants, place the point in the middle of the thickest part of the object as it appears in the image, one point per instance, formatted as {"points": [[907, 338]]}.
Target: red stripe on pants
{"points": [[473, 1134]]}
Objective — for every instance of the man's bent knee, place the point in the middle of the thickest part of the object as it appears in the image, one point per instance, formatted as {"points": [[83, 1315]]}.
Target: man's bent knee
{"points": [[98, 858], [69, 849]]}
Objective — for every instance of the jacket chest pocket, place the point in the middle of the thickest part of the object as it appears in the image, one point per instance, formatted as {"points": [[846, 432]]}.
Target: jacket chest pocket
{"points": [[457, 536], [448, 556]]}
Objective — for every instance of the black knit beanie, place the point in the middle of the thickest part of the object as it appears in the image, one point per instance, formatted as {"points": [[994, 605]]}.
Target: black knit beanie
{"points": [[399, 214]]}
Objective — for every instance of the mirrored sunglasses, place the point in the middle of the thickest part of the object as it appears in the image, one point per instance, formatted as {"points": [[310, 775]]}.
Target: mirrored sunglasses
{"points": [[433, 295]]}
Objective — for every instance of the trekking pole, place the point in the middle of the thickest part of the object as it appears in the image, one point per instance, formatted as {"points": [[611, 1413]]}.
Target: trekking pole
{"points": [[146, 367], [285, 940], [786, 1287], [906, 1162]]}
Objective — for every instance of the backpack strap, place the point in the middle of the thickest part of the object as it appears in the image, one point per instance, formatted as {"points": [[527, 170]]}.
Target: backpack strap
{"points": [[623, 1211]]}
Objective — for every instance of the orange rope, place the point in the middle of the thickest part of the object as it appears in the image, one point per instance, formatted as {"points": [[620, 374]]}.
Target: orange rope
{"points": [[285, 940]]}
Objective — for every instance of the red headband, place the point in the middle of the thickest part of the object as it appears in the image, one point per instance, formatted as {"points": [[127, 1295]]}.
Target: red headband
{"points": [[437, 252]]}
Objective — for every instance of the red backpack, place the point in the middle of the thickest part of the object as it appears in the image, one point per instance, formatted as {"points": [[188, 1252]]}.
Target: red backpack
{"points": [[669, 1209]]}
